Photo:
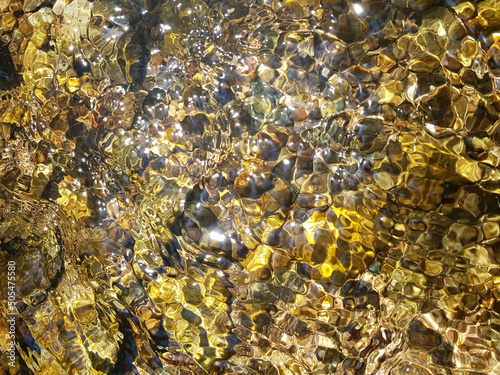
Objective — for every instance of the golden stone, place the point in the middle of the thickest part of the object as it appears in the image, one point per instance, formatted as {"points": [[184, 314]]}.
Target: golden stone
{"points": [[8, 21]]}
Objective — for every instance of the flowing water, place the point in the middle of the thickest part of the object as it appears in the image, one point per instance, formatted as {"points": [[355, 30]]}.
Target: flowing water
{"points": [[250, 187]]}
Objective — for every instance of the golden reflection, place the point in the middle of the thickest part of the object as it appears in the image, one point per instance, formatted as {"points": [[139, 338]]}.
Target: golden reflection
{"points": [[250, 187]]}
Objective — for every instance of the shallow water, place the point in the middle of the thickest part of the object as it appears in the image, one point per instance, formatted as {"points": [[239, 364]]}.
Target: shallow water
{"points": [[250, 187]]}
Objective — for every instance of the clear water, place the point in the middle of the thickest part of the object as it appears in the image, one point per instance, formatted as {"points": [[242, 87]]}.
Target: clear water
{"points": [[250, 187]]}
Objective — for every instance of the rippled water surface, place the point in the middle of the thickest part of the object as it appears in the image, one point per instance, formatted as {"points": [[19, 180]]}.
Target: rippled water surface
{"points": [[250, 186]]}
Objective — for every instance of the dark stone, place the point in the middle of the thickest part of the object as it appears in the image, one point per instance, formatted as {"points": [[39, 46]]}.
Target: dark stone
{"points": [[81, 66], [423, 337], [9, 78]]}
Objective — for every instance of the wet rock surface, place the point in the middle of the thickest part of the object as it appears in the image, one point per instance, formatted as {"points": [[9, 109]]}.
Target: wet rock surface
{"points": [[251, 187]]}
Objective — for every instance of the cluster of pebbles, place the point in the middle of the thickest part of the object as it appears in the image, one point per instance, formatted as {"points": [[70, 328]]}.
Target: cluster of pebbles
{"points": [[251, 186]]}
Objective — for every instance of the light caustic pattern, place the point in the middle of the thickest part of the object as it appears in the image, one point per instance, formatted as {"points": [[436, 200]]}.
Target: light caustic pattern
{"points": [[251, 187]]}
